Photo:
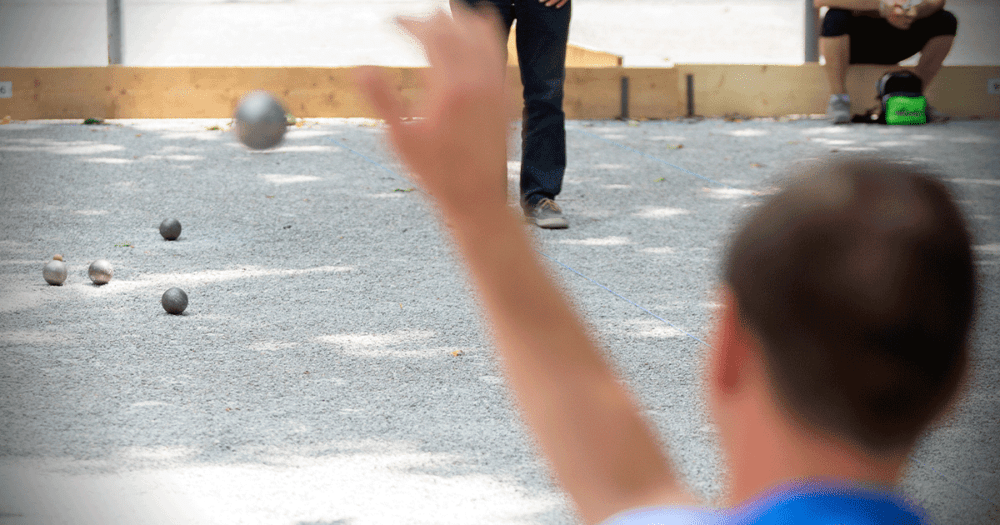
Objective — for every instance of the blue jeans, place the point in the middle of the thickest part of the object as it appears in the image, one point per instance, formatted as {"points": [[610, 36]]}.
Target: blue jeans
{"points": [[542, 33]]}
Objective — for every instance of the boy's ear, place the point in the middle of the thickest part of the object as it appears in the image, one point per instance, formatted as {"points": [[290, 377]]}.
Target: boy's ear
{"points": [[732, 347]]}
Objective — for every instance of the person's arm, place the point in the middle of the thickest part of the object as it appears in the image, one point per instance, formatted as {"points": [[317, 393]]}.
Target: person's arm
{"points": [[853, 5], [588, 426], [911, 9], [927, 8]]}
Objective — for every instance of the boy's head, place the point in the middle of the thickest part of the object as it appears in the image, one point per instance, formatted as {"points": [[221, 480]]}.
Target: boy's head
{"points": [[858, 280]]}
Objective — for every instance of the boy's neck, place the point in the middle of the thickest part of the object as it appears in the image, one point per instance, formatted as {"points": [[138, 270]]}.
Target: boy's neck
{"points": [[774, 448]]}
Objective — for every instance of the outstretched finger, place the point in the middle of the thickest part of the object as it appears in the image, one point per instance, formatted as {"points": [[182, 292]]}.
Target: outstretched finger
{"points": [[388, 106], [437, 35]]}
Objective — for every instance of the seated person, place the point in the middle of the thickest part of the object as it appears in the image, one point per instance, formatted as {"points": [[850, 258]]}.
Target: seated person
{"points": [[881, 32], [843, 332]]}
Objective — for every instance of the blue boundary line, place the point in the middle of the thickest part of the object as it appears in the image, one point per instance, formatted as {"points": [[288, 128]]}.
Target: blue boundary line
{"points": [[543, 254], [654, 158]]}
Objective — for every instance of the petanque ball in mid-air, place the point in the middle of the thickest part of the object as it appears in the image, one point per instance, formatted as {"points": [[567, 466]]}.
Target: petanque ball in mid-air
{"points": [[170, 229], [100, 271], [260, 121], [174, 301], [54, 271]]}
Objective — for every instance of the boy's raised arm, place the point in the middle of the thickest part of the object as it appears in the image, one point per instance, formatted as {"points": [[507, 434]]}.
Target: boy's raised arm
{"points": [[587, 424]]}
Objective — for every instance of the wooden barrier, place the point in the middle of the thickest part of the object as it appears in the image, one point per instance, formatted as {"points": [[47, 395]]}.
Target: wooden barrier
{"points": [[761, 91], [591, 92]]}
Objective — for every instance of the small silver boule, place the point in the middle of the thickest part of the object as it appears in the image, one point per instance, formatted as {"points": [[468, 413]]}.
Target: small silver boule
{"points": [[170, 229], [174, 301], [100, 271], [55, 271], [259, 121]]}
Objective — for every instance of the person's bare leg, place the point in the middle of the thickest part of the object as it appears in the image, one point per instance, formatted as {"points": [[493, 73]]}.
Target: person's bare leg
{"points": [[837, 53], [931, 58]]}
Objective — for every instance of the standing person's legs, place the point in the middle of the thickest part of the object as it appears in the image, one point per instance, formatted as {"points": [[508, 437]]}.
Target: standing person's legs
{"points": [[505, 8], [542, 34]]}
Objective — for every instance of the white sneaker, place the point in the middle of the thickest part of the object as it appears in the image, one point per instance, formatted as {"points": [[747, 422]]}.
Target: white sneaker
{"points": [[838, 110]]}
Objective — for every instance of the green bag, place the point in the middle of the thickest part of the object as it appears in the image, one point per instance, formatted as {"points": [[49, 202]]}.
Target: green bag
{"points": [[902, 98], [902, 109]]}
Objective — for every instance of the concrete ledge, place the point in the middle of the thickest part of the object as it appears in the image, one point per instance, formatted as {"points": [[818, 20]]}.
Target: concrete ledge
{"points": [[591, 92]]}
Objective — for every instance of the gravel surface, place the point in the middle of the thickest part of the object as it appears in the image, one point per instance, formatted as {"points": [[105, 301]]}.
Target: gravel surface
{"points": [[331, 367]]}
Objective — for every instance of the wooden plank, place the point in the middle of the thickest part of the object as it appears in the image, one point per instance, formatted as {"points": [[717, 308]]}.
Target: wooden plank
{"points": [[755, 91], [56, 93], [576, 55], [959, 91], [591, 93], [655, 93], [215, 92], [580, 56], [771, 91]]}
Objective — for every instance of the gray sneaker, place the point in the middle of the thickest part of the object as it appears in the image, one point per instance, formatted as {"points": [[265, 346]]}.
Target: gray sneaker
{"points": [[546, 214], [838, 110]]}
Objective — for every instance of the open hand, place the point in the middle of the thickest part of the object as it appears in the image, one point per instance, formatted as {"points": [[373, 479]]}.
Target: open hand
{"points": [[457, 147]]}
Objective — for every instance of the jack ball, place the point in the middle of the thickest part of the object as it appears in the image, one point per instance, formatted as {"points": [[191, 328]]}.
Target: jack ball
{"points": [[260, 121], [54, 271], [100, 271], [170, 229], [174, 301]]}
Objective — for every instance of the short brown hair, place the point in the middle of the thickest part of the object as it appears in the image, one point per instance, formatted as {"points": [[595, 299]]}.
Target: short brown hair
{"points": [[859, 280]]}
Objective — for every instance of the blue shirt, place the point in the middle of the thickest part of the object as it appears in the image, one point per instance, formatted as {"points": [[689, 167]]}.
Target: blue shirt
{"points": [[804, 503]]}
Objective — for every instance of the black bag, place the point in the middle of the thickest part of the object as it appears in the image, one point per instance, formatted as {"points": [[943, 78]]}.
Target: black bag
{"points": [[901, 96]]}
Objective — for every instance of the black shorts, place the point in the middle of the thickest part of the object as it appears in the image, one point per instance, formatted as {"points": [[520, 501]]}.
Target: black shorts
{"points": [[876, 41]]}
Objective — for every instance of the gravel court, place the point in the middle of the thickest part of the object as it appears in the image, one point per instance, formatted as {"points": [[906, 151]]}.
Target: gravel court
{"points": [[308, 259]]}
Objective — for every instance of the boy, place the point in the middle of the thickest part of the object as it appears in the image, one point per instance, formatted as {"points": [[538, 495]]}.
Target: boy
{"points": [[847, 304]]}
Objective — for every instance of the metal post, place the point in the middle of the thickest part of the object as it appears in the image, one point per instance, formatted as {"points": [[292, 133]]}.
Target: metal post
{"points": [[624, 98], [811, 34], [690, 96], [115, 53]]}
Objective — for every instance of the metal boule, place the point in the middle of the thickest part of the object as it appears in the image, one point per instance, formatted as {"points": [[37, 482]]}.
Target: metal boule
{"points": [[174, 301], [100, 272], [260, 121], [170, 229], [54, 271]]}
